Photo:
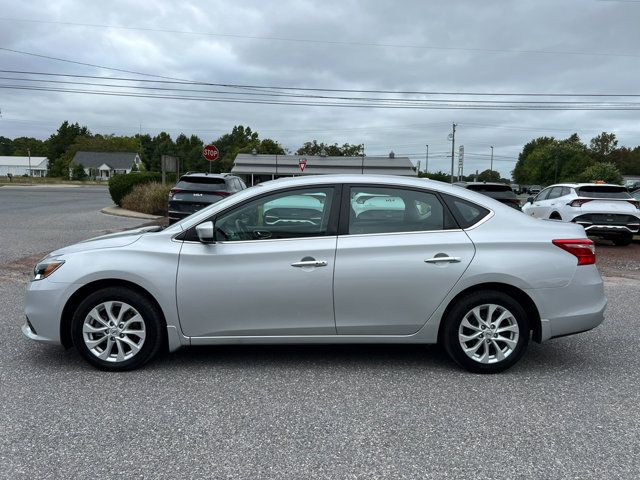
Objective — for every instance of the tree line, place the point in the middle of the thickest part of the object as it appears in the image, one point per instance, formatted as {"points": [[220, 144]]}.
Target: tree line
{"points": [[547, 160], [61, 147]]}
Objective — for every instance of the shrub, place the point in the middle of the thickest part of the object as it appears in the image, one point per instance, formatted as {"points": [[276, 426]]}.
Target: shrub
{"points": [[148, 198], [606, 172], [121, 185]]}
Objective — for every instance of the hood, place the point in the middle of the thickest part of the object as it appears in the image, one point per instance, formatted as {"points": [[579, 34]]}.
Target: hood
{"points": [[112, 240]]}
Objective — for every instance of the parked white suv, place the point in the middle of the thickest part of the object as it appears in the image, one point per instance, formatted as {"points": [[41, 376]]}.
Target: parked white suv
{"points": [[606, 211]]}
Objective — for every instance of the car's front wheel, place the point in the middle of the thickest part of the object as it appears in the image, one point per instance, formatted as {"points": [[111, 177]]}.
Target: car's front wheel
{"points": [[117, 329], [486, 332]]}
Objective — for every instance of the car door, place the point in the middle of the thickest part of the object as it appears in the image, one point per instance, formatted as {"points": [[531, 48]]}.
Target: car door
{"points": [[399, 253], [547, 205], [536, 207], [270, 271]]}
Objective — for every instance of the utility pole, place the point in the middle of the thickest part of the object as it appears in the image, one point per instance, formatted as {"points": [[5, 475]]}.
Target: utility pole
{"points": [[426, 165], [491, 158], [30, 173], [453, 146]]}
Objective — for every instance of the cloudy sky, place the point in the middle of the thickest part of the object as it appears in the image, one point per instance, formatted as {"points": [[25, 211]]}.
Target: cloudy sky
{"points": [[453, 46]]}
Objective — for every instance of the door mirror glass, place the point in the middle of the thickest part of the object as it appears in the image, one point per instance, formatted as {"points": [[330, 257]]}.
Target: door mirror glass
{"points": [[205, 232], [530, 200]]}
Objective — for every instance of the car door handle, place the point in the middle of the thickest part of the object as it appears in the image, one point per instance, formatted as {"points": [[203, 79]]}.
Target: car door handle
{"points": [[310, 263], [443, 259]]}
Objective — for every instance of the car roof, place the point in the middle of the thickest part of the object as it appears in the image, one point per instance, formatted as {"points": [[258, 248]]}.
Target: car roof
{"points": [[578, 185], [463, 184], [206, 175]]}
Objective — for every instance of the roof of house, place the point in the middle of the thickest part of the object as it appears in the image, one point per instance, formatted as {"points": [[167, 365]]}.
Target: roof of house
{"points": [[247, 163], [12, 161], [116, 160]]}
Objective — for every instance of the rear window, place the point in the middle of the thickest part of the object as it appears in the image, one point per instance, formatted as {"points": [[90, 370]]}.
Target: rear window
{"points": [[209, 184], [596, 191]]}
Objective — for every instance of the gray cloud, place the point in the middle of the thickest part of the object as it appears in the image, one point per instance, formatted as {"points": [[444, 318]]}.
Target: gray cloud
{"points": [[482, 48]]}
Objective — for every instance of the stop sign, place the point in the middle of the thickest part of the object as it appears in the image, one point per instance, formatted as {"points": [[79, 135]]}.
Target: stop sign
{"points": [[210, 152]]}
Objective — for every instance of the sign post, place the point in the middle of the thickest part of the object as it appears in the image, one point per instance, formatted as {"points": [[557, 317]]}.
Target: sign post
{"points": [[302, 163], [460, 161], [211, 154]]}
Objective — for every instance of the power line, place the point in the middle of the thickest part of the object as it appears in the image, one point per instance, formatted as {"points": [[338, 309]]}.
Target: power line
{"points": [[324, 42], [412, 106], [271, 87]]}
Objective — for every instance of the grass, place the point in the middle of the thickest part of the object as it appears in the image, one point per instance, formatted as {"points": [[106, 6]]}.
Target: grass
{"points": [[47, 181]]}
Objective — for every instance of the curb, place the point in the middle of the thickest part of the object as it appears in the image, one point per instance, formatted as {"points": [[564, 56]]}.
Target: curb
{"points": [[123, 212]]}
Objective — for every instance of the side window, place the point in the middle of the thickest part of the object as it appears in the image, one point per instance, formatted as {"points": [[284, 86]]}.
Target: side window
{"points": [[542, 195], [291, 214], [555, 193], [388, 210], [467, 213], [565, 191]]}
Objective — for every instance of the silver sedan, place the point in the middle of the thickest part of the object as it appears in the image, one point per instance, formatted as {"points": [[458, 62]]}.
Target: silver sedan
{"points": [[324, 259]]}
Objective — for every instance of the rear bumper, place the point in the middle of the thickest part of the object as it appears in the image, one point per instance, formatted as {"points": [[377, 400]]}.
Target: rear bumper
{"points": [[575, 308]]}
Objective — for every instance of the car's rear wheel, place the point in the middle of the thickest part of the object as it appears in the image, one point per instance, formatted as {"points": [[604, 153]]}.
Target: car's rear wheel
{"points": [[117, 329], [486, 332], [622, 240], [555, 216]]}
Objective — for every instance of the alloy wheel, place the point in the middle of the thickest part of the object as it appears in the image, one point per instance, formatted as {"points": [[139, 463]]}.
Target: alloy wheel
{"points": [[114, 331], [488, 333]]}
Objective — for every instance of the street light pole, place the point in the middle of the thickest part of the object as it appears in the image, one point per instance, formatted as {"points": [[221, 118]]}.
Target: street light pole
{"points": [[453, 146], [426, 165], [491, 158]]}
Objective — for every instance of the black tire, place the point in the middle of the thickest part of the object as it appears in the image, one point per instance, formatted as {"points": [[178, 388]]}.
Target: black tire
{"points": [[623, 240], [555, 216], [154, 325], [449, 336]]}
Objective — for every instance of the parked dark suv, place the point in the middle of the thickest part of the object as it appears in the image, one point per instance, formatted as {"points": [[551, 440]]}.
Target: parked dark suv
{"points": [[498, 191], [195, 191]]}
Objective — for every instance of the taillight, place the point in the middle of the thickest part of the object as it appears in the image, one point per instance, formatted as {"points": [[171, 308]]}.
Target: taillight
{"points": [[173, 191], [223, 193], [582, 248], [578, 203], [635, 203]]}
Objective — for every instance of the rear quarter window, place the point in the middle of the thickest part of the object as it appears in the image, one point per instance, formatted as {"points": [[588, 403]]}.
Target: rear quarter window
{"points": [[465, 212]]}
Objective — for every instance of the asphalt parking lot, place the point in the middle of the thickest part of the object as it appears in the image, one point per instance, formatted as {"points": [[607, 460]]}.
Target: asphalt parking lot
{"points": [[569, 409]]}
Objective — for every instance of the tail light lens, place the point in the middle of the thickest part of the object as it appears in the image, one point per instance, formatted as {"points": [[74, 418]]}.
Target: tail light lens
{"points": [[635, 203], [173, 191], [582, 248], [578, 203]]}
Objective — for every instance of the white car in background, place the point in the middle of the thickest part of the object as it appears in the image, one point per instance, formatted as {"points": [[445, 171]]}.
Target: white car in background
{"points": [[606, 211]]}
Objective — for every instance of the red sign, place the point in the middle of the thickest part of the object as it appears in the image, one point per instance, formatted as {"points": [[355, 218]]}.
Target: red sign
{"points": [[210, 152], [302, 164]]}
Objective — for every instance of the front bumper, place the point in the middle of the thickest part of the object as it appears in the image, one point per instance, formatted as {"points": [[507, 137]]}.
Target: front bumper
{"points": [[44, 302]]}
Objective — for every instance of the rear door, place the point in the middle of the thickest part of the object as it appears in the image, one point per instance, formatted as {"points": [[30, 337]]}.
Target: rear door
{"points": [[398, 255]]}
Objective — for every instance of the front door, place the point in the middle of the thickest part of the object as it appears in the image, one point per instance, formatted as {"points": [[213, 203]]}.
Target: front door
{"points": [[270, 271], [399, 257]]}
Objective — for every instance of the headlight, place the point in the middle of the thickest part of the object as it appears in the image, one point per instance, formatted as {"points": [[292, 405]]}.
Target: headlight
{"points": [[45, 268]]}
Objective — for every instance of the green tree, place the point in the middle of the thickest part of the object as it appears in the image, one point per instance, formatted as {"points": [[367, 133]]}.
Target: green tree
{"points": [[439, 176], [605, 172], [489, 176], [603, 145], [57, 145], [315, 148], [78, 173], [23, 145]]}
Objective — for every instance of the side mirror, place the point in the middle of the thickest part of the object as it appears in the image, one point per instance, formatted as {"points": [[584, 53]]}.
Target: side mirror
{"points": [[205, 232], [530, 200]]}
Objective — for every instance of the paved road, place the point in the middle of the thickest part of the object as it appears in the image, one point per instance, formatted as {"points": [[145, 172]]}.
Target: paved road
{"points": [[569, 409], [37, 219]]}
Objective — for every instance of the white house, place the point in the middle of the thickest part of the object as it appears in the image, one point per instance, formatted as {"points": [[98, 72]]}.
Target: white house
{"points": [[104, 165], [19, 166]]}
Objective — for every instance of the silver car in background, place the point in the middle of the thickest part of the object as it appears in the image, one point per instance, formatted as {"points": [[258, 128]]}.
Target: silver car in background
{"points": [[324, 259]]}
